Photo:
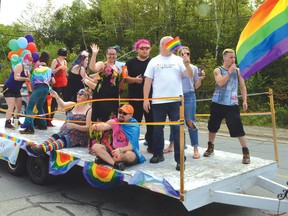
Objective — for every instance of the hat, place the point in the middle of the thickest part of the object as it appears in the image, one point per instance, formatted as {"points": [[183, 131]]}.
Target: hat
{"points": [[84, 53], [127, 108], [27, 57]]}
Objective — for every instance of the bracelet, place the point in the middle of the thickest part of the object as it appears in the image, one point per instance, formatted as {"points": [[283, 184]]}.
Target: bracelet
{"points": [[57, 98], [120, 150], [228, 73]]}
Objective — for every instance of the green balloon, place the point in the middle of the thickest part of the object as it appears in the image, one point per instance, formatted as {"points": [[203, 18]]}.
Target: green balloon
{"points": [[13, 45], [25, 52]]}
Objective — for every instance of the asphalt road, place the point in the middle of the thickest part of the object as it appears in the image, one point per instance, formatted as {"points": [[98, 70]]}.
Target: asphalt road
{"points": [[71, 195]]}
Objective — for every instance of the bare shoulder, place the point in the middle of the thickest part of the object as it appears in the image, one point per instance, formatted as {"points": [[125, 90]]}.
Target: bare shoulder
{"points": [[216, 71]]}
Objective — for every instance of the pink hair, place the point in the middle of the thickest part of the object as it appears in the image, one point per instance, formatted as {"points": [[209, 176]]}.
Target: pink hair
{"points": [[141, 41]]}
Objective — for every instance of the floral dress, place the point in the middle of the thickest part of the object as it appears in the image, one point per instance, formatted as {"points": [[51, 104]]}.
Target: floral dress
{"points": [[107, 87], [77, 137]]}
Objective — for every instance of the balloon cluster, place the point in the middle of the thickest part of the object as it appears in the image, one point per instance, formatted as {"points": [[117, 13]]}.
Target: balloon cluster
{"points": [[21, 47]]}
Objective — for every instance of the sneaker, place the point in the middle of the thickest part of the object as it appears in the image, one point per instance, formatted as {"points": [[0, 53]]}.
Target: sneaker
{"points": [[210, 150], [9, 125], [99, 161], [27, 130], [178, 164], [157, 159], [246, 156], [41, 127], [35, 150], [119, 166]]}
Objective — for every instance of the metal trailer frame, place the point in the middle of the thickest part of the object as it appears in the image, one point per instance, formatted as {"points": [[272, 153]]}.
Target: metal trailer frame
{"points": [[221, 178]]}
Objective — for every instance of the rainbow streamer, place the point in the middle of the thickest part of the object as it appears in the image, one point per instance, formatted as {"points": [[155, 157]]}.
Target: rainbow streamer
{"points": [[173, 44], [153, 184], [102, 177], [265, 37], [60, 162]]}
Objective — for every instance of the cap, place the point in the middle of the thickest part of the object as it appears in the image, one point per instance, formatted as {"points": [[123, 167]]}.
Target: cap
{"points": [[27, 57], [127, 108]]}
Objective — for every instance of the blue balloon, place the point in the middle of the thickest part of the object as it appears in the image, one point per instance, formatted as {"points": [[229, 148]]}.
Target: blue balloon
{"points": [[22, 42]]}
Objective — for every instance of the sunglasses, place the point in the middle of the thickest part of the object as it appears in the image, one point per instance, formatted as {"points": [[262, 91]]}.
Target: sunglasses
{"points": [[123, 113], [144, 48], [183, 54]]}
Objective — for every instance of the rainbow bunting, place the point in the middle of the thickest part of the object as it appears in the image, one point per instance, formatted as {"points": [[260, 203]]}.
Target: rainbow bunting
{"points": [[102, 177], [157, 185], [173, 44], [60, 162], [265, 37]]}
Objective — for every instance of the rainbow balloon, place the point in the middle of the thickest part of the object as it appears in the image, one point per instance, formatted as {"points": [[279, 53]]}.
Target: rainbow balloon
{"points": [[102, 177], [173, 44], [265, 37], [60, 162]]}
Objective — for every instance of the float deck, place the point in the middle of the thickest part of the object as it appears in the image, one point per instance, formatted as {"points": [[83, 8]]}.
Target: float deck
{"points": [[221, 178]]}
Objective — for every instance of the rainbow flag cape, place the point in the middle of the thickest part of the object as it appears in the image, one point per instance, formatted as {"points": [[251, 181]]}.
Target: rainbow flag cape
{"points": [[102, 177], [173, 44], [60, 162], [157, 185], [265, 37]]}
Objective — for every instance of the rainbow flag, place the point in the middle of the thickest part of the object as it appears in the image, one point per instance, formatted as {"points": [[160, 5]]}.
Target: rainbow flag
{"points": [[157, 185], [102, 177], [173, 44], [60, 162], [265, 37]]}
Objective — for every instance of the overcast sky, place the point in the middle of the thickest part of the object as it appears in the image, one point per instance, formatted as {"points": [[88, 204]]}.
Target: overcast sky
{"points": [[11, 9]]}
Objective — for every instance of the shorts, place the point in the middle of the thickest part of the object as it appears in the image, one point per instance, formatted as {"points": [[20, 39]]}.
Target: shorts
{"points": [[11, 93], [136, 161], [231, 114]]}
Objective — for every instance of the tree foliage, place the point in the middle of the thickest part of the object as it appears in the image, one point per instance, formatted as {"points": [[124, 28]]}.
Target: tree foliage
{"points": [[205, 26]]}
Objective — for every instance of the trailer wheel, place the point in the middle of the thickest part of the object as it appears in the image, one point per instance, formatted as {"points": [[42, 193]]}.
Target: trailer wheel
{"points": [[19, 168], [37, 169]]}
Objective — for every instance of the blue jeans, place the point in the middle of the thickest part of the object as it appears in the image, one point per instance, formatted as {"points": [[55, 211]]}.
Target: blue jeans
{"points": [[38, 98], [160, 112], [190, 114]]}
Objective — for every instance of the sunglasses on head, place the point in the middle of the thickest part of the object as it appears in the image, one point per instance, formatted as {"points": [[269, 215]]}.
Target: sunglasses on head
{"points": [[123, 113], [81, 92], [144, 48]]}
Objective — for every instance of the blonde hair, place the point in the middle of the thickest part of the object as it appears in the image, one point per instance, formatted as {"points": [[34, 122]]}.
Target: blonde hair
{"points": [[227, 51], [181, 50]]}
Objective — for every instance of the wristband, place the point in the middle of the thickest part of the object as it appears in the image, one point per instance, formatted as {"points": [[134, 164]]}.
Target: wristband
{"points": [[228, 73], [120, 150]]}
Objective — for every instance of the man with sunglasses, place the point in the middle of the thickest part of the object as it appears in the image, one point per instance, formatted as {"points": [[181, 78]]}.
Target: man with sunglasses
{"points": [[164, 73], [136, 68], [125, 147]]}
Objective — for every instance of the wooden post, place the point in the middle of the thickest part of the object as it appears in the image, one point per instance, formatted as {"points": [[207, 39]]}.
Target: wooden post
{"points": [[182, 149], [273, 124]]}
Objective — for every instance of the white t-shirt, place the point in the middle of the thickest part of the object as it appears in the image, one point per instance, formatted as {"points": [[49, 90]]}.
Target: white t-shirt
{"points": [[166, 72]]}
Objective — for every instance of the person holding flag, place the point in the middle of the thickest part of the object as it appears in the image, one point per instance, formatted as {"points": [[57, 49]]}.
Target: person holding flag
{"points": [[164, 74]]}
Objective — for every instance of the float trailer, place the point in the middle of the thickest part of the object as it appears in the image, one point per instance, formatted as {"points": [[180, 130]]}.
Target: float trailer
{"points": [[220, 179]]}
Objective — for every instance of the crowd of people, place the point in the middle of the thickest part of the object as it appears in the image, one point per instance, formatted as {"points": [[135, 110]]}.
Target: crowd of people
{"points": [[112, 133]]}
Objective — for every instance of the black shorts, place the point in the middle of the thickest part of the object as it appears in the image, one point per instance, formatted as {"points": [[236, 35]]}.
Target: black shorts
{"points": [[11, 93], [231, 114]]}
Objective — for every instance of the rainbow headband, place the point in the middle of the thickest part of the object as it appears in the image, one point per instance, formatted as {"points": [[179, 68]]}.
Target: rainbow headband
{"points": [[173, 44]]}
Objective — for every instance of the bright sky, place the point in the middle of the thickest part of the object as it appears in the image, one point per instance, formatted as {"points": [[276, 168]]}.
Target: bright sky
{"points": [[11, 9]]}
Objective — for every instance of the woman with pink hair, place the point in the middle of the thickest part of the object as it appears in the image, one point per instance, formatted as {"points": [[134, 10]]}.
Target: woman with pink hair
{"points": [[13, 85]]}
